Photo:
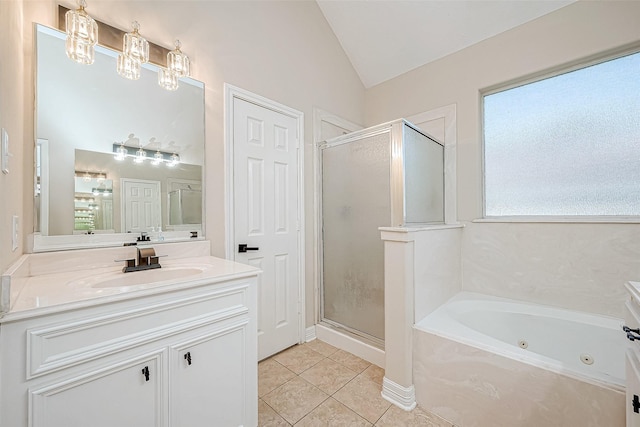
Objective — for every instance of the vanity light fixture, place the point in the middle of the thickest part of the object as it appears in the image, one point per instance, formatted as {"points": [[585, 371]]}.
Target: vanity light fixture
{"points": [[177, 62], [135, 52], [178, 65], [135, 46], [82, 35]]}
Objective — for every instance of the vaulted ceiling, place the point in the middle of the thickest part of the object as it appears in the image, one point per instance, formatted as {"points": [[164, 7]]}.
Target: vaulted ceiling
{"points": [[386, 38]]}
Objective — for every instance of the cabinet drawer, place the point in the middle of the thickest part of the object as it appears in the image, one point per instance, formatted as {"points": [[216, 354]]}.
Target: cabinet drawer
{"points": [[61, 345]]}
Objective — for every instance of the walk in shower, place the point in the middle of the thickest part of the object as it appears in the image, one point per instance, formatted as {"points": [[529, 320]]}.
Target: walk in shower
{"points": [[388, 175]]}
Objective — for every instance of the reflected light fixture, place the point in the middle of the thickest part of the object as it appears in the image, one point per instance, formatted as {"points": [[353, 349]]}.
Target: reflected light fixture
{"points": [[158, 158], [141, 155], [121, 152], [167, 80], [173, 160], [128, 68], [82, 34]]}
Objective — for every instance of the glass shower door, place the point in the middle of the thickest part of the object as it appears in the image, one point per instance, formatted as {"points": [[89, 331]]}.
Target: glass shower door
{"points": [[355, 202]]}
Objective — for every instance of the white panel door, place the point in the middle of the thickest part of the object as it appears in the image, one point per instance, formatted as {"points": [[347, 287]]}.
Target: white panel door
{"points": [[141, 205], [265, 183]]}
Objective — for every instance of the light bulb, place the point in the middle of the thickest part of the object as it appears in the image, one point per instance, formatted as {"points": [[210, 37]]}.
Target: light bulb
{"points": [[175, 159], [141, 155], [157, 158], [177, 62], [121, 152]]}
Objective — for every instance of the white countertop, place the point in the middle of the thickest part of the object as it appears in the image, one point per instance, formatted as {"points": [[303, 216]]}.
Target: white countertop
{"points": [[58, 291]]}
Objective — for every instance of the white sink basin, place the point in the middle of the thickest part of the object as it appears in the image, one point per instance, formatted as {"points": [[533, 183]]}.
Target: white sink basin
{"points": [[145, 277]]}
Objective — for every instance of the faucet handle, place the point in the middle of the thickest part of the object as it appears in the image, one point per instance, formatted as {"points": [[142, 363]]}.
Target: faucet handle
{"points": [[131, 262]]}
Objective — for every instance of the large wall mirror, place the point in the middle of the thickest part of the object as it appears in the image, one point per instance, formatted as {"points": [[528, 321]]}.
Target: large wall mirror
{"points": [[84, 114]]}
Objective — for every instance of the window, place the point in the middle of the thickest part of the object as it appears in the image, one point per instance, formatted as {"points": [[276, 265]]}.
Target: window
{"points": [[567, 145]]}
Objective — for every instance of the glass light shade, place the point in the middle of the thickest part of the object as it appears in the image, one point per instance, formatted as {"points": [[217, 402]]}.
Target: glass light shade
{"points": [[167, 80], [128, 68], [79, 51], [157, 158], [177, 62], [81, 26], [141, 155], [175, 159], [121, 153], [135, 46]]}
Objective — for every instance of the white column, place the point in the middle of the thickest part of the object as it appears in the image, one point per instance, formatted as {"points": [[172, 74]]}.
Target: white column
{"points": [[399, 270]]}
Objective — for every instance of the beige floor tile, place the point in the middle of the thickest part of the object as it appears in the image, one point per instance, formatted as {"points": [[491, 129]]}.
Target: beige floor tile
{"points": [[321, 347], [373, 373], [350, 361], [328, 375], [334, 414], [298, 358], [267, 417], [295, 399], [396, 417], [363, 397], [271, 375]]}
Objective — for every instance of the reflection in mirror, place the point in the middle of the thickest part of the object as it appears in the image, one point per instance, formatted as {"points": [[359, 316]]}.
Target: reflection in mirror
{"points": [[84, 114]]}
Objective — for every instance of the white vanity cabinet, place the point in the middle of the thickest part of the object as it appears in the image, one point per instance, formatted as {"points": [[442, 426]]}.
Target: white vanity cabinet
{"points": [[184, 357]]}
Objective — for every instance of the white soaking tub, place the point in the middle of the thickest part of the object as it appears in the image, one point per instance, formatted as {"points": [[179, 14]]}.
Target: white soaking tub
{"points": [[481, 360]]}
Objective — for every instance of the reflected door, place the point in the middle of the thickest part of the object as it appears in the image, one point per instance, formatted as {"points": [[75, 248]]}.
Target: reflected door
{"points": [[140, 205], [266, 217]]}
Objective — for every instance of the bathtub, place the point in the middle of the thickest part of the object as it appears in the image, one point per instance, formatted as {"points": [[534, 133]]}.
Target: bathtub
{"points": [[488, 361]]}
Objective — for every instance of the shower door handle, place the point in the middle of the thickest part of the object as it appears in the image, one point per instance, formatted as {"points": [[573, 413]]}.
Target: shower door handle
{"points": [[242, 248]]}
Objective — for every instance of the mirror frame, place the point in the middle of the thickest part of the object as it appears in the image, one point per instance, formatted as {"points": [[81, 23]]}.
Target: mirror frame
{"points": [[36, 242]]}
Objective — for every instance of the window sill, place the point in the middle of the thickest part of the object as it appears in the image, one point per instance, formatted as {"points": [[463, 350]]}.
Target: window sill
{"points": [[603, 219]]}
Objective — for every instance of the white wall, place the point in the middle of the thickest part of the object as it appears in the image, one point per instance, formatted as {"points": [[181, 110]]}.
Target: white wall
{"points": [[283, 50], [15, 193], [579, 266]]}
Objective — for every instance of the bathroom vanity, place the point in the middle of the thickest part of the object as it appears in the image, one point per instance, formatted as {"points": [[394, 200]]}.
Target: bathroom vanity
{"points": [[85, 344]]}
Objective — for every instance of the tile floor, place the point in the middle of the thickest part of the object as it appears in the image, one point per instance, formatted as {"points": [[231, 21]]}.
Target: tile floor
{"points": [[316, 384]]}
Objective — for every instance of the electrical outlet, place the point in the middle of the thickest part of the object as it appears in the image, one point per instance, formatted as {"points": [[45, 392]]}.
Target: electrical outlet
{"points": [[15, 233], [4, 150]]}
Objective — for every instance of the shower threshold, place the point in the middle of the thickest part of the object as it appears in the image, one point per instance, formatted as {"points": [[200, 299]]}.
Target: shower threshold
{"points": [[353, 333]]}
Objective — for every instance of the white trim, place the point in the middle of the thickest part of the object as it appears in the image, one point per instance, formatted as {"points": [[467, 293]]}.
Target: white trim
{"points": [[230, 93], [310, 334], [402, 397], [44, 186], [448, 113], [345, 342]]}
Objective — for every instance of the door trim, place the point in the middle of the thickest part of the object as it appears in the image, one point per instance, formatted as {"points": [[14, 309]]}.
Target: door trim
{"points": [[230, 93]]}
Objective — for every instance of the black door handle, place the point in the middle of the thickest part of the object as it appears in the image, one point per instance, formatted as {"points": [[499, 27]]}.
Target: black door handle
{"points": [[242, 248], [145, 372]]}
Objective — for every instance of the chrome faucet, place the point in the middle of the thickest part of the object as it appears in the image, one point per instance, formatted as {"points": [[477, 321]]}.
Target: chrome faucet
{"points": [[146, 260]]}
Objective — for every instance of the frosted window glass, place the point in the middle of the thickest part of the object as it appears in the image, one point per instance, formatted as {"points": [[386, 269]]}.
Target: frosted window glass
{"points": [[355, 202], [423, 178], [566, 145]]}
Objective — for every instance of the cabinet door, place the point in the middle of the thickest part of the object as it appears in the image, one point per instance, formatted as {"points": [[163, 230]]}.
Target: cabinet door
{"points": [[633, 387], [212, 381], [127, 394]]}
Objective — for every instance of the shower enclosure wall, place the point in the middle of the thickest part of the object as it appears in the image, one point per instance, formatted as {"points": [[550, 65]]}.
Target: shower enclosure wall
{"points": [[388, 175]]}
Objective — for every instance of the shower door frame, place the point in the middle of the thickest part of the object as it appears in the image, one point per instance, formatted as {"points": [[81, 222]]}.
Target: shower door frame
{"points": [[395, 130]]}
